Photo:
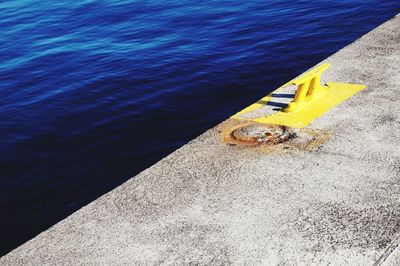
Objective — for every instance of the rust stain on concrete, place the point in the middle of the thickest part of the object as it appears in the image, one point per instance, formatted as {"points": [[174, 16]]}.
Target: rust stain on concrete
{"points": [[271, 138]]}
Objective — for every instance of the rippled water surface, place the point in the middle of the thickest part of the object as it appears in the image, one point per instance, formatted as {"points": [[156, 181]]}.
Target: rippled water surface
{"points": [[93, 92]]}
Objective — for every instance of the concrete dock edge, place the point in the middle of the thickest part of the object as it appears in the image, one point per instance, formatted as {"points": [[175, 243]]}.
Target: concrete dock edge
{"points": [[333, 198]]}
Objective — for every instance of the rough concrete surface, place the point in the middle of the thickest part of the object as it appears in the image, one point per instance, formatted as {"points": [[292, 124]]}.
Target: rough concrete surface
{"points": [[391, 256], [209, 203]]}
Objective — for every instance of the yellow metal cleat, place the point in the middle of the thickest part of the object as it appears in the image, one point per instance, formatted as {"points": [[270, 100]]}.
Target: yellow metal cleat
{"points": [[310, 101]]}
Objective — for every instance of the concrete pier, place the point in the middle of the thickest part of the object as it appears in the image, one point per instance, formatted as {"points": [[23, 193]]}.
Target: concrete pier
{"points": [[329, 196]]}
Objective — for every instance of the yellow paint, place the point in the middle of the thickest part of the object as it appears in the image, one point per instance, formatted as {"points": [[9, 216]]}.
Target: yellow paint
{"points": [[310, 101]]}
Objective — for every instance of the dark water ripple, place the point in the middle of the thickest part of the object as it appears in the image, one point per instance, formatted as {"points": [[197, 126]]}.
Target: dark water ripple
{"points": [[93, 92]]}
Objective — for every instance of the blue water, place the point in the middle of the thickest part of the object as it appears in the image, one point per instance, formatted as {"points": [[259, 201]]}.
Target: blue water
{"points": [[93, 92]]}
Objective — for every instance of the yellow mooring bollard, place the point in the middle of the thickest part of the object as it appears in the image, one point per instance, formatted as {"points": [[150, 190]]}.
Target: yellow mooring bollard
{"points": [[310, 101], [309, 88]]}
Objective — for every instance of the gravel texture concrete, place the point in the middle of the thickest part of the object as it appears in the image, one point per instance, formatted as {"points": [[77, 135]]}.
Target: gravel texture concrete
{"points": [[330, 195]]}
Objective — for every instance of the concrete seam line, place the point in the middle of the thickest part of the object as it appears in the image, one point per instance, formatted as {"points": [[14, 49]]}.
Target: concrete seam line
{"points": [[389, 250]]}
